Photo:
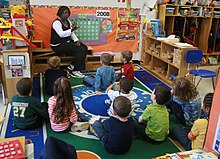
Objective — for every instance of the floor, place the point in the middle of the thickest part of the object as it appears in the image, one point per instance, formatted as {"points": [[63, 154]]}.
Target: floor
{"points": [[204, 87]]}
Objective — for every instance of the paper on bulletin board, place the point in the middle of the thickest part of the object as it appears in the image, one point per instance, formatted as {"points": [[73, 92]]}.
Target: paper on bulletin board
{"points": [[216, 141], [127, 26]]}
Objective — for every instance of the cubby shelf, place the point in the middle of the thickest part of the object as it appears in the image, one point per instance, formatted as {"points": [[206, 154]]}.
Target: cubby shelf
{"points": [[163, 59], [206, 20]]}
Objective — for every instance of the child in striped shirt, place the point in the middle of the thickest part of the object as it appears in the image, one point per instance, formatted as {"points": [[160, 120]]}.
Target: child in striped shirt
{"points": [[61, 108]]}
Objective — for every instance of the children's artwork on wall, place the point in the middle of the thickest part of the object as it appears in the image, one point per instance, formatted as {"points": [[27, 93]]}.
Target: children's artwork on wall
{"points": [[89, 30], [127, 26]]}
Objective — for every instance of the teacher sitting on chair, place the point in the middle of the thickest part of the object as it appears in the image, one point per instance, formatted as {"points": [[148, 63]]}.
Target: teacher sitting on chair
{"points": [[63, 41]]}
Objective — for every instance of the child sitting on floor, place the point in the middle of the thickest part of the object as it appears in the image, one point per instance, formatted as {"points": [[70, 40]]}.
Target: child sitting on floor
{"points": [[116, 134], [28, 111], [105, 75], [194, 138], [62, 111], [186, 101], [127, 69], [153, 124], [125, 89], [52, 74]]}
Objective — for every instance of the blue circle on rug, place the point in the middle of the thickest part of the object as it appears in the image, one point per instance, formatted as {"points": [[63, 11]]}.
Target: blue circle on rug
{"points": [[91, 104], [96, 105]]}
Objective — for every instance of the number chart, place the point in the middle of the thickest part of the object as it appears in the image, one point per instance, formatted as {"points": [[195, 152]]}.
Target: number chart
{"points": [[89, 30]]}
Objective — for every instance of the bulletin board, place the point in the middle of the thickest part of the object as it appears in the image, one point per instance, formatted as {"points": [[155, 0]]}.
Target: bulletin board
{"points": [[43, 16], [213, 127], [89, 31]]}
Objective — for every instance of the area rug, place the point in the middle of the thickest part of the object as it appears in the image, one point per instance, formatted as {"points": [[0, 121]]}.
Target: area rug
{"points": [[92, 105], [35, 136]]}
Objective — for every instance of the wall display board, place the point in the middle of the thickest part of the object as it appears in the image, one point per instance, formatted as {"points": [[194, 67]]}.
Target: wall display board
{"points": [[43, 17], [127, 26], [211, 141], [216, 142], [89, 30]]}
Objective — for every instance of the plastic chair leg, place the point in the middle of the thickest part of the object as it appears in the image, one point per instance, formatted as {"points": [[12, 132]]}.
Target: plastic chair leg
{"points": [[198, 81]]}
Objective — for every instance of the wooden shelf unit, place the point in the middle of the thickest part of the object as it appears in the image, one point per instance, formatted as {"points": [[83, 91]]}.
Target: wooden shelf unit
{"points": [[156, 57], [207, 26]]}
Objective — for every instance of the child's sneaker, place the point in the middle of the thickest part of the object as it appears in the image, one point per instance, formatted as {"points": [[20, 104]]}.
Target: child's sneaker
{"points": [[108, 102], [93, 119], [77, 74], [92, 130], [79, 126], [70, 67]]}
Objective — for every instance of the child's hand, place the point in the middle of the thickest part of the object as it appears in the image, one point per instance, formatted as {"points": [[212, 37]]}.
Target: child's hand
{"points": [[98, 92]]}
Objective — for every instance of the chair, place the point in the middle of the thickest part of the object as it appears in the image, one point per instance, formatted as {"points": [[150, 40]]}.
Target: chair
{"points": [[195, 57]]}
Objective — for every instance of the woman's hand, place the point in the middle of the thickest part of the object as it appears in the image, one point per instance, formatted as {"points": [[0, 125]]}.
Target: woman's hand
{"points": [[74, 27], [78, 43]]}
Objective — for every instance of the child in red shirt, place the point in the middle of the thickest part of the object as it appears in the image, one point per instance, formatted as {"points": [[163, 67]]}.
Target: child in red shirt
{"points": [[127, 69]]}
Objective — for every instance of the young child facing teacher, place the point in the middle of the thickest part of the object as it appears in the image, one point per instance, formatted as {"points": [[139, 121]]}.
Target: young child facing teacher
{"points": [[62, 111], [28, 111], [185, 103], [52, 74], [153, 124], [116, 134], [127, 69], [194, 138], [125, 89], [105, 75]]}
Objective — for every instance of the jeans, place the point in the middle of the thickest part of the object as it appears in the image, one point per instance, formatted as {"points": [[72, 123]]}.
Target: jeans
{"points": [[181, 135], [90, 81], [139, 130], [100, 131]]}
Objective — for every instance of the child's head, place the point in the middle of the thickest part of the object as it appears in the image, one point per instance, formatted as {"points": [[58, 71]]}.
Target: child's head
{"points": [[126, 56], [161, 94], [54, 62], [183, 89], [105, 59], [62, 86], [126, 84], [122, 106], [64, 104], [24, 86], [207, 103]]}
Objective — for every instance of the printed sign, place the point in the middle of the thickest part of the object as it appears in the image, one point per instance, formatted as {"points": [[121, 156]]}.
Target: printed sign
{"points": [[103, 13]]}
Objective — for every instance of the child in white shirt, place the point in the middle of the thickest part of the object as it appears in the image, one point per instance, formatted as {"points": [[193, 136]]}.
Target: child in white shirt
{"points": [[125, 89]]}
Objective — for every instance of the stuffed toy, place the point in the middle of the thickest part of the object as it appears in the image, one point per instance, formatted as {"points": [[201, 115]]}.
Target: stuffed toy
{"points": [[19, 11]]}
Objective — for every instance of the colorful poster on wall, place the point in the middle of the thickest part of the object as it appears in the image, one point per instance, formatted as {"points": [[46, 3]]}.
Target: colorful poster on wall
{"points": [[127, 26], [216, 142]]}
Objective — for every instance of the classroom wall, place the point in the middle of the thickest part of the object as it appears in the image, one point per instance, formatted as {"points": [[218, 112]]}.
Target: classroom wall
{"points": [[99, 3]]}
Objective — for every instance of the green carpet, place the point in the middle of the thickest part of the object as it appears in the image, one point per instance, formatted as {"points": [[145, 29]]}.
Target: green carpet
{"points": [[140, 149]]}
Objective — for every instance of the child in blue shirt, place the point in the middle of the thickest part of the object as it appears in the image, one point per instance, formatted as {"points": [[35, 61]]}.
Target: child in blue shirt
{"points": [[105, 75], [186, 101]]}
